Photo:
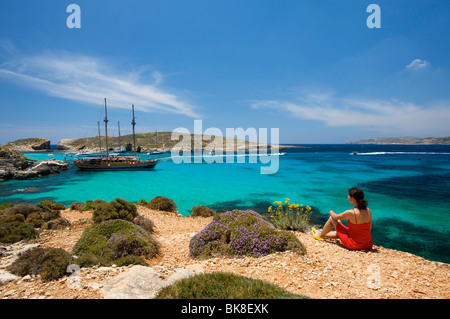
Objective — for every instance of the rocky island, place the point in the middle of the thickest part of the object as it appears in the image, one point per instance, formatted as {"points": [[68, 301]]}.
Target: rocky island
{"points": [[405, 141], [14, 165], [161, 141], [29, 145]]}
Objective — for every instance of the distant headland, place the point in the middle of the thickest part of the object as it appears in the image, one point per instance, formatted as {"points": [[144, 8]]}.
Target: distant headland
{"points": [[145, 142], [405, 141]]}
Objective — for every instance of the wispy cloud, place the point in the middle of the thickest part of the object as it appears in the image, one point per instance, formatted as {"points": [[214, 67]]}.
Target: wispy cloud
{"points": [[89, 80], [418, 64], [388, 116]]}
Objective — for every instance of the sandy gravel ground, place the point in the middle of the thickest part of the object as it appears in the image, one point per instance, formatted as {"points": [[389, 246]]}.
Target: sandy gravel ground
{"points": [[328, 270]]}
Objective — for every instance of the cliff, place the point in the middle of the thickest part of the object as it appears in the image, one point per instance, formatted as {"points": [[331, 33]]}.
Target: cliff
{"points": [[29, 145], [405, 141], [150, 141], [14, 165]]}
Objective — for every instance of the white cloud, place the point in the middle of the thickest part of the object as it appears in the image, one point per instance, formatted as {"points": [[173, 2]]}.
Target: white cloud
{"points": [[90, 80], [418, 64], [387, 116]]}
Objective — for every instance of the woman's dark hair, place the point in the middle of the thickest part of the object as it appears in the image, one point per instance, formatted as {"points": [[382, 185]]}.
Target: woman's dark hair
{"points": [[358, 195]]}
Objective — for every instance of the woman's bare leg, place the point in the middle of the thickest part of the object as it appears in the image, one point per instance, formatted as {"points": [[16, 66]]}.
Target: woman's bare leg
{"points": [[327, 229]]}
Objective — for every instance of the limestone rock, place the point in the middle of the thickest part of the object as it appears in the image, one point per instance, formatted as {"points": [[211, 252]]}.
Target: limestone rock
{"points": [[6, 277], [139, 282]]}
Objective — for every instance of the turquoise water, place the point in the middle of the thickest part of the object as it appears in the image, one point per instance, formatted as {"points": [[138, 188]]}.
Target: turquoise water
{"points": [[408, 188]]}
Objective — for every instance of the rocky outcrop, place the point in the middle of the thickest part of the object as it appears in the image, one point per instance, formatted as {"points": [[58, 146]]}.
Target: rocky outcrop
{"points": [[66, 145], [16, 166], [29, 145], [42, 168], [140, 282]]}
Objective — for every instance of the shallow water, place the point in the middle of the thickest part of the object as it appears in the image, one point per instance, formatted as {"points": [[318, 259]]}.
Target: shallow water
{"points": [[408, 188]]}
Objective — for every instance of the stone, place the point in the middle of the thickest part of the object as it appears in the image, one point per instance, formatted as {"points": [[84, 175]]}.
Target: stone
{"points": [[180, 273], [139, 282], [7, 277]]}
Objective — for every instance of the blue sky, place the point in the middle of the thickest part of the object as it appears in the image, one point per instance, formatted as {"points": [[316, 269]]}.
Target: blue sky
{"points": [[311, 68]]}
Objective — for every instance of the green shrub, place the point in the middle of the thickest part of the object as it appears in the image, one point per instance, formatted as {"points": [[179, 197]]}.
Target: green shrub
{"points": [[241, 233], [162, 203], [89, 205], [5, 206], [23, 209], [89, 260], [13, 218], [98, 202], [36, 216], [290, 216], [114, 239], [130, 260], [35, 220], [52, 205], [11, 232], [142, 202], [202, 211], [49, 263], [144, 222], [57, 223], [220, 285], [50, 215], [116, 209], [76, 206]]}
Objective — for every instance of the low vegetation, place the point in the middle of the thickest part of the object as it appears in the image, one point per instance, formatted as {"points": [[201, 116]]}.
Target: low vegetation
{"points": [[12, 232], [115, 209], [49, 263], [111, 240], [18, 222], [289, 216], [162, 203], [220, 285], [202, 211], [241, 233]]}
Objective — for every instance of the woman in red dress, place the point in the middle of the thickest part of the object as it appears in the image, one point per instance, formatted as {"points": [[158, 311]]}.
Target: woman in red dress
{"points": [[357, 235]]}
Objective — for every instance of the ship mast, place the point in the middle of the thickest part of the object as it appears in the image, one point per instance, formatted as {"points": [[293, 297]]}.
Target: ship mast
{"points": [[134, 137], [120, 144], [106, 132], [99, 137]]}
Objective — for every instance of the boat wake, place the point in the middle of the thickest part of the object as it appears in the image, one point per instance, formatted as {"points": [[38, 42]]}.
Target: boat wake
{"points": [[401, 153]]}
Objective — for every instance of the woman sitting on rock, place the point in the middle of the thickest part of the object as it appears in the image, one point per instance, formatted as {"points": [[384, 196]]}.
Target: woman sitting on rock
{"points": [[357, 236]]}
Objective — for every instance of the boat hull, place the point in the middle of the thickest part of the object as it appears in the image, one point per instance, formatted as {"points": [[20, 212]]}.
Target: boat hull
{"points": [[104, 166]]}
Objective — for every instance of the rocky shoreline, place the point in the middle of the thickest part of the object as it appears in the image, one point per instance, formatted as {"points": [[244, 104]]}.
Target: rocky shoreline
{"points": [[327, 271], [14, 165]]}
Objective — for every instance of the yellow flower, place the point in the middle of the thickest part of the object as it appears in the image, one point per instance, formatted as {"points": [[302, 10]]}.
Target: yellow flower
{"points": [[270, 209]]}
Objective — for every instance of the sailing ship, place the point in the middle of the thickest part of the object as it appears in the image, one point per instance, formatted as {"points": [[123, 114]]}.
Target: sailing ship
{"points": [[114, 162]]}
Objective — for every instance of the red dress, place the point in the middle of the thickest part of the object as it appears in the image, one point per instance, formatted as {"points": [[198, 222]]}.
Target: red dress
{"points": [[355, 236]]}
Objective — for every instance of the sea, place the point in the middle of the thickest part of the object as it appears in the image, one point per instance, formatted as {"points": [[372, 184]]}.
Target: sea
{"points": [[407, 187]]}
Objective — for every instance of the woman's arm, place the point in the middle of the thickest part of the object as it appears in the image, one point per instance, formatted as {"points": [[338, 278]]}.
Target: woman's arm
{"points": [[345, 215]]}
